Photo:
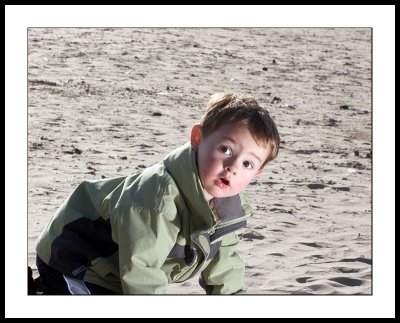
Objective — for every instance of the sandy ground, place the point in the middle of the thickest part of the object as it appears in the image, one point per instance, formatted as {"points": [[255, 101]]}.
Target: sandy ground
{"points": [[109, 102]]}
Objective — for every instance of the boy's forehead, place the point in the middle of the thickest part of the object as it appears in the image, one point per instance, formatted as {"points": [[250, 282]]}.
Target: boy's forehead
{"points": [[232, 127], [234, 131], [239, 134]]}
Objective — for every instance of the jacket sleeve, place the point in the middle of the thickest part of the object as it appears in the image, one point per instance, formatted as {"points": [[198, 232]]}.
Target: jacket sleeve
{"points": [[225, 273], [145, 238]]}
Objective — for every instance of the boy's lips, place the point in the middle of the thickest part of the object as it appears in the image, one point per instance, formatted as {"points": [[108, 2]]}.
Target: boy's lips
{"points": [[221, 182]]}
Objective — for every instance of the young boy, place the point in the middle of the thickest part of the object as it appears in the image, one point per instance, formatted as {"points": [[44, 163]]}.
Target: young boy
{"points": [[137, 234]]}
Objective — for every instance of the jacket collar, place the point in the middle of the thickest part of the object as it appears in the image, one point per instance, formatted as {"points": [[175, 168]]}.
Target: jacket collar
{"points": [[181, 164]]}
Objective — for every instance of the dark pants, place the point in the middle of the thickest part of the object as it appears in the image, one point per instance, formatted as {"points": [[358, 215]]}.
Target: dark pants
{"points": [[53, 282]]}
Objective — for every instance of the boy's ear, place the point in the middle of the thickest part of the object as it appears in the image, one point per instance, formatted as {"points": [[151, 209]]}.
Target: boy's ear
{"points": [[196, 136]]}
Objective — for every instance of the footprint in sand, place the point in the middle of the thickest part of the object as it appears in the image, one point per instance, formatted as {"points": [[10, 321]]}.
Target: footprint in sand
{"points": [[347, 281], [251, 235]]}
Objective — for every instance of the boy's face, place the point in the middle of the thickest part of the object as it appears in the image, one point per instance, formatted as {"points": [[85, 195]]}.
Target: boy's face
{"points": [[228, 159]]}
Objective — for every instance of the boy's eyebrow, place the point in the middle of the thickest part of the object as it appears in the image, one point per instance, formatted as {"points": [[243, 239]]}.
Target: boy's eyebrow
{"points": [[259, 159], [230, 139], [236, 143]]}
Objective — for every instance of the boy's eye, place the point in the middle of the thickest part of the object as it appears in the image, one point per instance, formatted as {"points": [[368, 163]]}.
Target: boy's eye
{"points": [[248, 165], [226, 150]]}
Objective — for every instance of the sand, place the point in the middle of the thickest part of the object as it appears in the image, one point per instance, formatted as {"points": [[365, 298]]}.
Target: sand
{"points": [[110, 102]]}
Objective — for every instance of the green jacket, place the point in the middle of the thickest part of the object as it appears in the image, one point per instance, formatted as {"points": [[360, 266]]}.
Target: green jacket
{"points": [[137, 234]]}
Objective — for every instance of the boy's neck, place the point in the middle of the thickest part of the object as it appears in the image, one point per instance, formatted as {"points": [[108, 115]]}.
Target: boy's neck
{"points": [[207, 196]]}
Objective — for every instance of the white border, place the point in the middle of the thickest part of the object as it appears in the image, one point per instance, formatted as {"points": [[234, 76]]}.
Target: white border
{"points": [[19, 18]]}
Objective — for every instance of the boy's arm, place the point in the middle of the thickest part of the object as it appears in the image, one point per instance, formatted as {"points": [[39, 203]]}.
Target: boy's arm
{"points": [[145, 238], [225, 273]]}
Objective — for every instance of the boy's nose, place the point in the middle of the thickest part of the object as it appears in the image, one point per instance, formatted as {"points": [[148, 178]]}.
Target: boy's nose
{"points": [[231, 169], [230, 165]]}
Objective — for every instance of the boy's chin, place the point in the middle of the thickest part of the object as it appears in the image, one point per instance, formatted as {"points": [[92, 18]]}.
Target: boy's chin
{"points": [[217, 193]]}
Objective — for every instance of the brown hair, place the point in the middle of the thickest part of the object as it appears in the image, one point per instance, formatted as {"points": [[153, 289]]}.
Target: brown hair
{"points": [[232, 108]]}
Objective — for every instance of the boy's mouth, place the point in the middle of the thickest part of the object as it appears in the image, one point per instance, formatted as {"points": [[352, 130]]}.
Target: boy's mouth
{"points": [[221, 182]]}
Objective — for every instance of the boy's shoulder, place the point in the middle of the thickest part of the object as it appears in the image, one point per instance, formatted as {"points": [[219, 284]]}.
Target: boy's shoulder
{"points": [[148, 188]]}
